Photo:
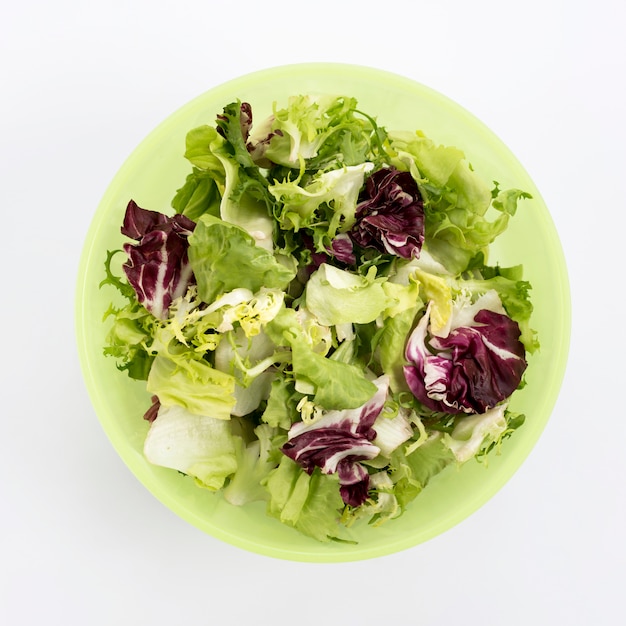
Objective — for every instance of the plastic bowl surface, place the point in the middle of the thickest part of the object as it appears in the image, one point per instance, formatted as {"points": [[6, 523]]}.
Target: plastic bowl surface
{"points": [[151, 176]]}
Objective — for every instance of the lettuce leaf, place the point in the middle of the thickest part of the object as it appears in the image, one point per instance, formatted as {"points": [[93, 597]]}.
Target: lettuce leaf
{"points": [[456, 199], [256, 458], [200, 194], [334, 384], [244, 197], [336, 296], [391, 347], [280, 410], [337, 190], [192, 384], [310, 504], [196, 445], [128, 339], [248, 360], [212, 247], [411, 472], [319, 132], [473, 432], [130, 336]]}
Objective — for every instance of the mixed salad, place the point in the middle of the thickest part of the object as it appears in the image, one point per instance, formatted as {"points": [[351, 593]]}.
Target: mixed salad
{"points": [[316, 319]]}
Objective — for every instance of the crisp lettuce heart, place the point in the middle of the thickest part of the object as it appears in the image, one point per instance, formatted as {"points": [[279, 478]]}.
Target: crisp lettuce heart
{"points": [[336, 296], [197, 445]]}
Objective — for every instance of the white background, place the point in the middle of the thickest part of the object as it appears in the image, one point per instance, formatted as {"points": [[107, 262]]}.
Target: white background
{"points": [[81, 84]]}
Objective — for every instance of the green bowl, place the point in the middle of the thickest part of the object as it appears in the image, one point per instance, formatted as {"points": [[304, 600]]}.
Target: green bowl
{"points": [[151, 176]]}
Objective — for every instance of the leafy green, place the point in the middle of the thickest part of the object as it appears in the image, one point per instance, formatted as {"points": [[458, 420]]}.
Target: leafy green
{"points": [[391, 346], [309, 503], [336, 296], [196, 445], [334, 384], [280, 410], [321, 133], [192, 384], [245, 200], [412, 472], [474, 432], [457, 199], [330, 197], [200, 194], [256, 458], [213, 245], [128, 339]]}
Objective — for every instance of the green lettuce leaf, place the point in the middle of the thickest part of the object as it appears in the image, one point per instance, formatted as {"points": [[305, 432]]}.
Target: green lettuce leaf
{"points": [[473, 433], [331, 196], [337, 385], [391, 347], [200, 194], [412, 472], [196, 445], [192, 384], [456, 199], [129, 338], [506, 201], [256, 458], [320, 133], [310, 504], [334, 384], [213, 246], [244, 196], [436, 290], [280, 410], [248, 360], [336, 296]]}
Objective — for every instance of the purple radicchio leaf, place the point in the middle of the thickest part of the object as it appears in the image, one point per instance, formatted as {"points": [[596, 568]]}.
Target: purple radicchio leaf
{"points": [[471, 370], [152, 413], [245, 119], [317, 258], [342, 249], [390, 214], [338, 441], [354, 482], [158, 267], [314, 260]]}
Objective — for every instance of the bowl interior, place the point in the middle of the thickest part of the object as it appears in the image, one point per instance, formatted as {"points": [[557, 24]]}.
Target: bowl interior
{"points": [[151, 176]]}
